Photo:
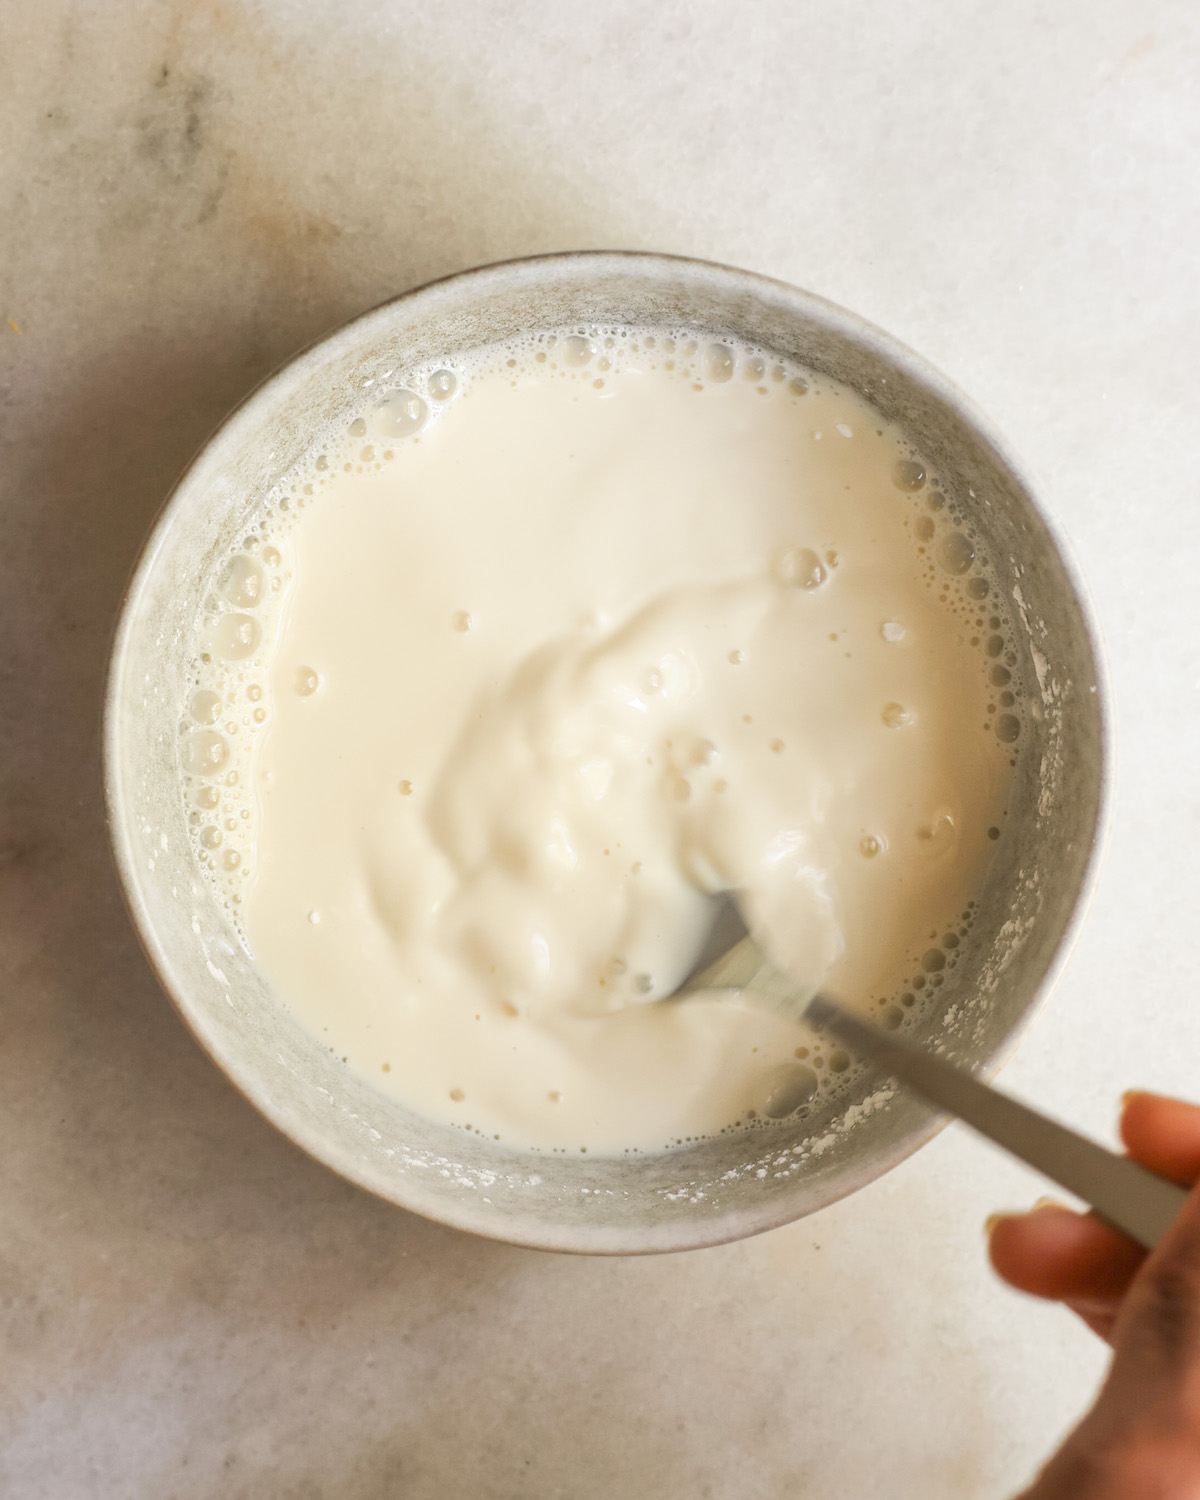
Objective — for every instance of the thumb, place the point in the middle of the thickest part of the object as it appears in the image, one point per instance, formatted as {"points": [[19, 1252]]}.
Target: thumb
{"points": [[1156, 1337]]}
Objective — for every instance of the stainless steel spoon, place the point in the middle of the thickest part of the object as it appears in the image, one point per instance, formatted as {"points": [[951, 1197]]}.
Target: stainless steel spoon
{"points": [[1128, 1196]]}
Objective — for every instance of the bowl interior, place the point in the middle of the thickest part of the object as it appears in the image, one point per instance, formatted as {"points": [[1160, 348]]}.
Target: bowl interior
{"points": [[725, 1187]]}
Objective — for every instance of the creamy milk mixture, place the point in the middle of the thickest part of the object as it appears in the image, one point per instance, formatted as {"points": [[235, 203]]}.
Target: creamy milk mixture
{"points": [[545, 650]]}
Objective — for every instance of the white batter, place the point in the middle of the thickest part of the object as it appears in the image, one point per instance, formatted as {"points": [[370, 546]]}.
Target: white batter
{"points": [[551, 650]]}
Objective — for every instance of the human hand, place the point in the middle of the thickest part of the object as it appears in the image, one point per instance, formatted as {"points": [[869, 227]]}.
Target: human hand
{"points": [[1141, 1440]]}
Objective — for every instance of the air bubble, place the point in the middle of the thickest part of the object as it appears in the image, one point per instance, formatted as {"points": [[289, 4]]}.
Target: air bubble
{"points": [[719, 362], [642, 983], [235, 637], [802, 568], [798, 387], [956, 553], [577, 350], [271, 554], [785, 1090], [442, 385], [896, 716], [204, 753], [995, 645], [242, 582], [978, 588], [1008, 728], [306, 682], [924, 528], [210, 837], [358, 428], [871, 845], [909, 475], [205, 706], [399, 415], [939, 835], [208, 796], [933, 960], [406, 788], [892, 630], [230, 860], [460, 620]]}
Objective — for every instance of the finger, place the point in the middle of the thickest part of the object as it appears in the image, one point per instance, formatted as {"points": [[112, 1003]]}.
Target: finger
{"points": [[1066, 1257], [1100, 1317], [1139, 1436], [1163, 1134]]}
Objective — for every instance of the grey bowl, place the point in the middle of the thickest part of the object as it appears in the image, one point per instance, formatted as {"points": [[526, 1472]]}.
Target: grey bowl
{"points": [[724, 1188]]}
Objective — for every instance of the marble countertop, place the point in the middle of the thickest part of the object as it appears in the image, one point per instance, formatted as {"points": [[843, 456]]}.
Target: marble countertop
{"points": [[191, 192]]}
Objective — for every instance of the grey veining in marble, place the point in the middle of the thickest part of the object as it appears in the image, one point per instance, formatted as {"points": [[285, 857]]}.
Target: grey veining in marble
{"points": [[191, 192]]}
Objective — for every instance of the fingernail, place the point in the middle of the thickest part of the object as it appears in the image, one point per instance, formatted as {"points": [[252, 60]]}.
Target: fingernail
{"points": [[989, 1224], [1048, 1202], [1130, 1094]]}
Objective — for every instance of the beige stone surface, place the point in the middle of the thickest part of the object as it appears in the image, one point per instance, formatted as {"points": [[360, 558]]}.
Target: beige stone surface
{"points": [[190, 193]]}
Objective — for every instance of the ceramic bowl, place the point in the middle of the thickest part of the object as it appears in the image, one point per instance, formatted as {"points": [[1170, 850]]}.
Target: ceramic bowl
{"points": [[723, 1188]]}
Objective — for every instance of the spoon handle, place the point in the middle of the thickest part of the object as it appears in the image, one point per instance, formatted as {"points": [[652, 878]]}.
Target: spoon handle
{"points": [[1131, 1198]]}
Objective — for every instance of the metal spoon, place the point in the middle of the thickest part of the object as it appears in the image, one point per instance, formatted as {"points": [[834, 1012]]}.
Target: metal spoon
{"points": [[1128, 1196]]}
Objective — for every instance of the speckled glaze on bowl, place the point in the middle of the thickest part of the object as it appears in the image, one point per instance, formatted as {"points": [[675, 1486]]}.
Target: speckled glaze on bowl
{"points": [[720, 1189]]}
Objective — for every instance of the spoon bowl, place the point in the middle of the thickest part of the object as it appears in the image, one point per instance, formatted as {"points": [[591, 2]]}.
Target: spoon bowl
{"points": [[1131, 1198]]}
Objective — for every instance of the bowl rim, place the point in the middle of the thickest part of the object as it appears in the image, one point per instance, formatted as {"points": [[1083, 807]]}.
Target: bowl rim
{"points": [[531, 1231]]}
